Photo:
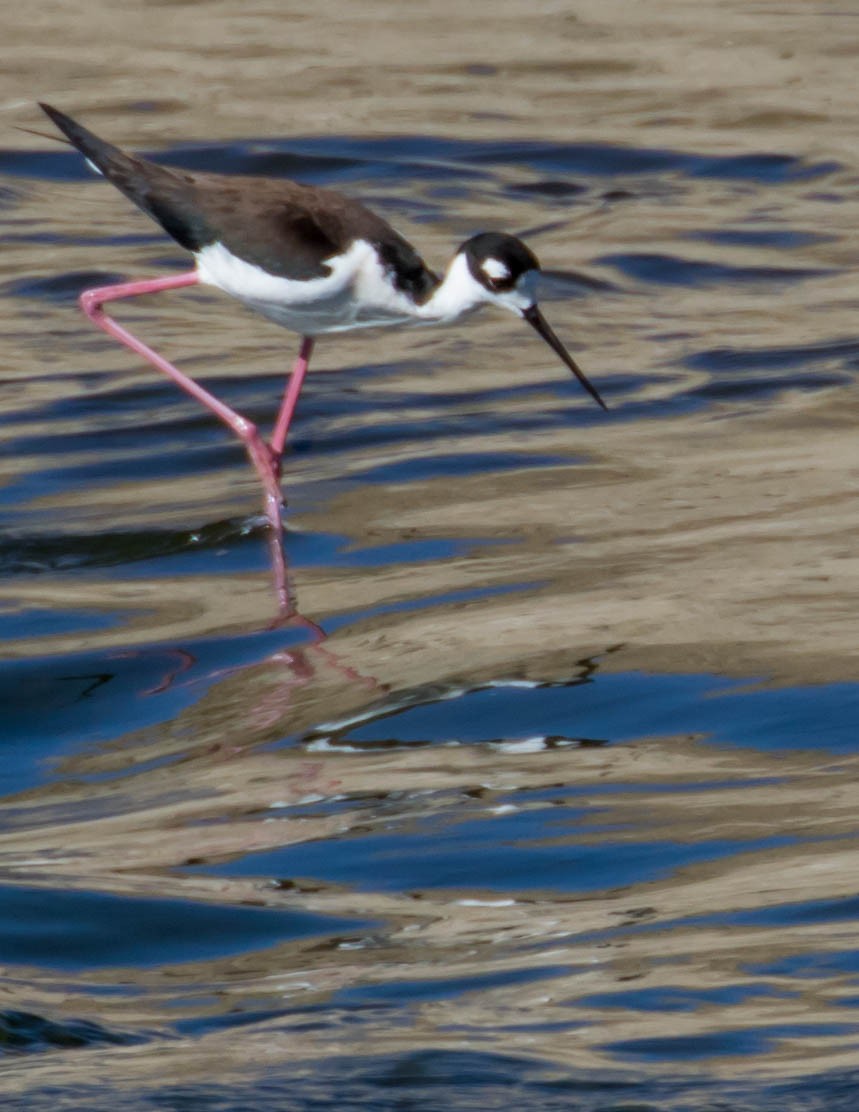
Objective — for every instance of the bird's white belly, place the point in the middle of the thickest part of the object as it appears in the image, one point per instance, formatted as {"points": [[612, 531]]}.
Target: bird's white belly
{"points": [[331, 314], [355, 294]]}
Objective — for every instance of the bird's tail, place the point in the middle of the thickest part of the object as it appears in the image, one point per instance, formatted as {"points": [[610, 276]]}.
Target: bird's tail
{"points": [[163, 194], [117, 166]]}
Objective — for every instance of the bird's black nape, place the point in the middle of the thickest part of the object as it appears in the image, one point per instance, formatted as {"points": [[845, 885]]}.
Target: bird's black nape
{"points": [[511, 256]]}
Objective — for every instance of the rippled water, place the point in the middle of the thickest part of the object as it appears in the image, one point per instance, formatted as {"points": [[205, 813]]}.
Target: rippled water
{"points": [[545, 795]]}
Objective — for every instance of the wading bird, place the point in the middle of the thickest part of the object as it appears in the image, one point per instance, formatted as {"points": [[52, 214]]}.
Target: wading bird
{"points": [[307, 258]]}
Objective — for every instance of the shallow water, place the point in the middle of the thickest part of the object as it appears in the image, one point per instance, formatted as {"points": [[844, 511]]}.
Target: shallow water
{"points": [[546, 793]]}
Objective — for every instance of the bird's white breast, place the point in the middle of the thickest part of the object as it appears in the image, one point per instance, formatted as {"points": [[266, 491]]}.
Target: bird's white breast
{"points": [[356, 293]]}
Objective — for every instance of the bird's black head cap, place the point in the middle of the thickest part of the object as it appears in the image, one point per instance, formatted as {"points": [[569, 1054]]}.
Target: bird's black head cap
{"points": [[497, 261]]}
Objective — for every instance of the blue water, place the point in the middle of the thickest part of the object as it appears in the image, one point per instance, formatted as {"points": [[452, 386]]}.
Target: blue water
{"points": [[482, 1081], [213, 823]]}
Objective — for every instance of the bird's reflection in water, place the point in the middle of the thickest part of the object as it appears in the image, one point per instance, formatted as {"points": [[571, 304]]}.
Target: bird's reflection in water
{"points": [[299, 661], [225, 693]]}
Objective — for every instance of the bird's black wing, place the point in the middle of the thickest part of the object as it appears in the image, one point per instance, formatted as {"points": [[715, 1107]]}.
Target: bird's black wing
{"points": [[165, 195]]}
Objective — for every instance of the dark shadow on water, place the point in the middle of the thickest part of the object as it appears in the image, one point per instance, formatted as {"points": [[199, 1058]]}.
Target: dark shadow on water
{"points": [[670, 270], [234, 543], [36, 555], [723, 1043], [80, 930], [463, 1081], [27, 1033], [775, 359], [335, 160]]}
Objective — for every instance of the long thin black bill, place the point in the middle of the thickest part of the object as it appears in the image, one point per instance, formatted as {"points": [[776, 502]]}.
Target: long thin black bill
{"points": [[538, 322]]}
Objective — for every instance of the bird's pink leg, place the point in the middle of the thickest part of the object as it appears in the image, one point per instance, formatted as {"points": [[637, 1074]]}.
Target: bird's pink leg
{"points": [[265, 461], [290, 399], [259, 452]]}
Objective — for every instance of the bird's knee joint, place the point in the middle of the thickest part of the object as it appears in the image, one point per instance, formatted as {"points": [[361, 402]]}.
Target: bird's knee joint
{"points": [[90, 301], [246, 431]]}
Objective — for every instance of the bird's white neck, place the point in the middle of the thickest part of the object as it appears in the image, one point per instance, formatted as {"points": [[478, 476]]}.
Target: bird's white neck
{"points": [[458, 293]]}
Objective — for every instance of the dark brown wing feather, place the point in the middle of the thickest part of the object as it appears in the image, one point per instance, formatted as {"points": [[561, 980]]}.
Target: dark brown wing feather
{"points": [[165, 195], [286, 228]]}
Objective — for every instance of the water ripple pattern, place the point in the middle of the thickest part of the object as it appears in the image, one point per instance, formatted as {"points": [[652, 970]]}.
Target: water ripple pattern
{"points": [[545, 794]]}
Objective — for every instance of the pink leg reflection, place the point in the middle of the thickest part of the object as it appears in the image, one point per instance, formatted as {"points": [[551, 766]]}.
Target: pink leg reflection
{"points": [[281, 674]]}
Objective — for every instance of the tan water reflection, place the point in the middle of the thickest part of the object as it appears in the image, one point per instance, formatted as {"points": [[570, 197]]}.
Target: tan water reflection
{"points": [[721, 541]]}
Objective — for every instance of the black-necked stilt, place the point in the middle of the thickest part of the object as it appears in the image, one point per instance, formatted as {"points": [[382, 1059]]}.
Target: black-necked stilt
{"points": [[309, 259]]}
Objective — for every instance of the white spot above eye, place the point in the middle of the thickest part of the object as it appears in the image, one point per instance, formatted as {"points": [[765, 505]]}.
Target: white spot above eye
{"points": [[495, 269]]}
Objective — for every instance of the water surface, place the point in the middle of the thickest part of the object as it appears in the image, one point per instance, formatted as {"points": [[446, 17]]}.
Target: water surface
{"points": [[545, 792]]}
